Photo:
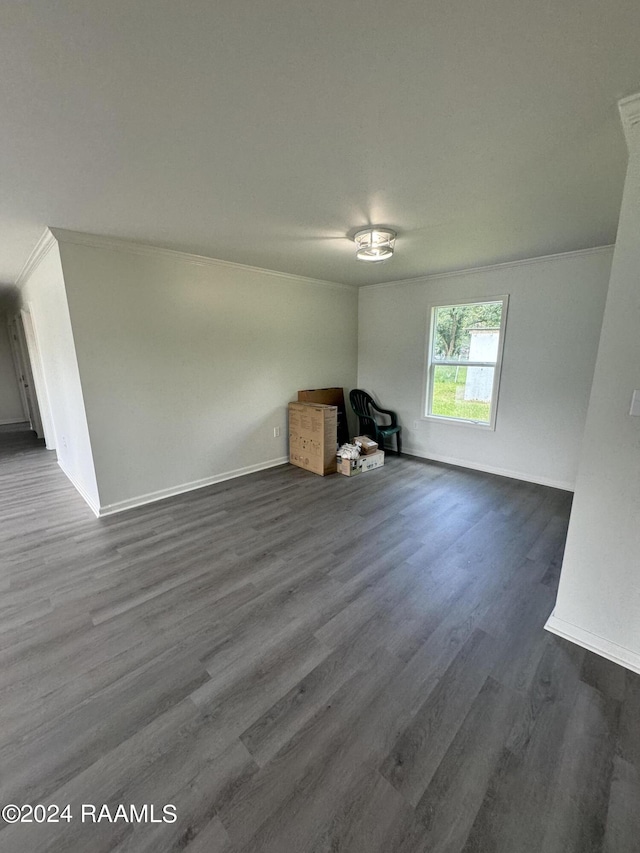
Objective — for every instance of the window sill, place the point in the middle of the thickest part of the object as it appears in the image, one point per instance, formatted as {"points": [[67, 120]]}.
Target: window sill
{"points": [[441, 419]]}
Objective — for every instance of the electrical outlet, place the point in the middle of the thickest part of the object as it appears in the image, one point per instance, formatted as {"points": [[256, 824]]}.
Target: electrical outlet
{"points": [[64, 441], [415, 424], [276, 432]]}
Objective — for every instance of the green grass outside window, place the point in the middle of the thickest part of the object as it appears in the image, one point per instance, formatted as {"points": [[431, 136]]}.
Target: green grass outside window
{"points": [[448, 396]]}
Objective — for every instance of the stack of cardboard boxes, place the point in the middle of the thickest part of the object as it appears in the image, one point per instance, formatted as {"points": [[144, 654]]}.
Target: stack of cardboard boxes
{"points": [[370, 458], [313, 442]]}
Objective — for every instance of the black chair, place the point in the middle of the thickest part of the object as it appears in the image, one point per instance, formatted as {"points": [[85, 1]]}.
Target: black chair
{"points": [[365, 408]]}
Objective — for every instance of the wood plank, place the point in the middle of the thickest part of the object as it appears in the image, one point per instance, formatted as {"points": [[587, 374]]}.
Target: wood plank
{"points": [[417, 754]]}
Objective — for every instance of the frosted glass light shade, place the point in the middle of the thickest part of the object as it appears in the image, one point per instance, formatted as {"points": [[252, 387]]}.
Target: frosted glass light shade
{"points": [[374, 244]]}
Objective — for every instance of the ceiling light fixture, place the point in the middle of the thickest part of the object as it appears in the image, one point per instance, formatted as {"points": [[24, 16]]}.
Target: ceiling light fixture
{"points": [[374, 244]]}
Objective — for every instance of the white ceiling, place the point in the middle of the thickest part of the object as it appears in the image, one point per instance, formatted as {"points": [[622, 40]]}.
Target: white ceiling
{"points": [[265, 131]]}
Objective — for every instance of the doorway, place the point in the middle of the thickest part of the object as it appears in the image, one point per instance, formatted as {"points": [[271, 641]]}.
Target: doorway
{"points": [[31, 382]]}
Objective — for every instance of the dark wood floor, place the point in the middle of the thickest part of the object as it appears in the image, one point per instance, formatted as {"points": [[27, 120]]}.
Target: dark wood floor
{"points": [[301, 663]]}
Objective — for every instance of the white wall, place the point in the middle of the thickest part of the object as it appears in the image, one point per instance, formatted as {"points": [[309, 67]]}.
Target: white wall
{"points": [[11, 410], [598, 602], [42, 294], [555, 312], [189, 364]]}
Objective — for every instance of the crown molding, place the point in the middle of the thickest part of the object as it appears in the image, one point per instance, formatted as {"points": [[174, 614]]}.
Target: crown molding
{"points": [[489, 268], [629, 114], [42, 248], [96, 241]]}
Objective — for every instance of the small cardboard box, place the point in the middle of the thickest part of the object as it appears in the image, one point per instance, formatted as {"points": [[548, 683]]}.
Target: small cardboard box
{"points": [[349, 467], [368, 444], [313, 437], [372, 460]]}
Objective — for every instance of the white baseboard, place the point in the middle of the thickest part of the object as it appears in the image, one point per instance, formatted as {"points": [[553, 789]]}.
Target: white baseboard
{"points": [[7, 421], [151, 497], [565, 485], [593, 643], [95, 509]]}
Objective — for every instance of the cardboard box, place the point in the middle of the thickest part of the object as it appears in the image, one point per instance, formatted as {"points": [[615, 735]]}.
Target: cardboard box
{"points": [[372, 460], [368, 444], [351, 467], [313, 437], [329, 397]]}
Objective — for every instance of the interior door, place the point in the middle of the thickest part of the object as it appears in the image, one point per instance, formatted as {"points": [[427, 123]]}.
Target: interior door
{"points": [[25, 374], [17, 366]]}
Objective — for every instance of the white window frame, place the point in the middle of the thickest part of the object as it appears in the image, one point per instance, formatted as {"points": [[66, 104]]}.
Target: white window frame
{"points": [[431, 364]]}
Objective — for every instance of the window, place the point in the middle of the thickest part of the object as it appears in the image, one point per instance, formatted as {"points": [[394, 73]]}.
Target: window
{"points": [[463, 361]]}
